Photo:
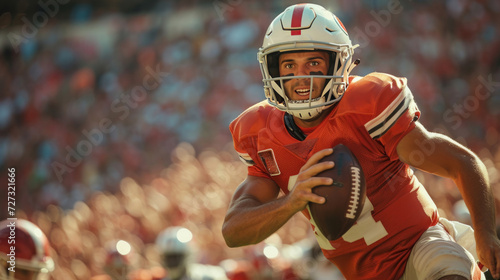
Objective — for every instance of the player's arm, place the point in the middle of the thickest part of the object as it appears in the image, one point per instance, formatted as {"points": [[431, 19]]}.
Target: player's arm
{"points": [[440, 155], [256, 212]]}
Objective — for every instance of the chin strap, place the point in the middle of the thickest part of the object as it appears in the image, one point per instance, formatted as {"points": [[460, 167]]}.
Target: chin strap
{"points": [[293, 129]]}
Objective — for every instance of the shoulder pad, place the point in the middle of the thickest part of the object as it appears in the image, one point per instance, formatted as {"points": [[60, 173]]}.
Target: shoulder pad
{"points": [[251, 120], [246, 127], [366, 95], [382, 99], [376, 84]]}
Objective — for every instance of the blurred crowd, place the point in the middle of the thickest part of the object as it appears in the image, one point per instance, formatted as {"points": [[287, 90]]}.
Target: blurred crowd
{"points": [[117, 123], [193, 192]]}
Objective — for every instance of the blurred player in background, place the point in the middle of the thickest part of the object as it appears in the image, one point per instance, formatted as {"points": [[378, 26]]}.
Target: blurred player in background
{"points": [[118, 262], [312, 105], [24, 251], [176, 252]]}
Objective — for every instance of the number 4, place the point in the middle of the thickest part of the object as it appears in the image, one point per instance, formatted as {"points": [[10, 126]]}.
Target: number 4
{"points": [[365, 227]]}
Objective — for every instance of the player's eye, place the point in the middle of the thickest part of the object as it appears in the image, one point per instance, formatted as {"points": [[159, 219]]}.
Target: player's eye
{"points": [[314, 63], [288, 66]]}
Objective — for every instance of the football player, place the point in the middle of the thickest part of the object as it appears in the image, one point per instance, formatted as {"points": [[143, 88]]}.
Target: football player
{"points": [[24, 251], [314, 104], [175, 247], [118, 262]]}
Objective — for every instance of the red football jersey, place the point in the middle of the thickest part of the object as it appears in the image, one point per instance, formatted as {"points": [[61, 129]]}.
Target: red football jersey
{"points": [[375, 112]]}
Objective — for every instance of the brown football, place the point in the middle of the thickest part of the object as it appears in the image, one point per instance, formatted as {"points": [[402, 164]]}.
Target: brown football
{"points": [[344, 198]]}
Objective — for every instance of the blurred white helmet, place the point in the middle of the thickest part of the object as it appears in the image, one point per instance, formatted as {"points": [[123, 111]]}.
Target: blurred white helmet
{"points": [[174, 246], [118, 263], [306, 27]]}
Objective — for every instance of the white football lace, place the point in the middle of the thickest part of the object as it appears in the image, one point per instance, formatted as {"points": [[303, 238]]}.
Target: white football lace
{"points": [[356, 181]]}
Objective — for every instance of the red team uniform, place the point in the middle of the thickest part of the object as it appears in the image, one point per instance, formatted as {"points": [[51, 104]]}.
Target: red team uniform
{"points": [[397, 209]]}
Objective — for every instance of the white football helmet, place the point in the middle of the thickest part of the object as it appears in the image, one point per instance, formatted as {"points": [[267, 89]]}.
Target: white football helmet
{"points": [[306, 27], [118, 261], [174, 246], [31, 254]]}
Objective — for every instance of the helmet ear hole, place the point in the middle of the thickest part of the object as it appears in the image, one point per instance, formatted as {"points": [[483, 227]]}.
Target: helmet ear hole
{"points": [[273, 64], [332, 68], [274, 71]]}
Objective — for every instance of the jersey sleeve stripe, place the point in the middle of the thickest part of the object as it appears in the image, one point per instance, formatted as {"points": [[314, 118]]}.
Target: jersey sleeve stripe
{"points": [[389, 124], [385, 120], [246, 159], [390, 118]]}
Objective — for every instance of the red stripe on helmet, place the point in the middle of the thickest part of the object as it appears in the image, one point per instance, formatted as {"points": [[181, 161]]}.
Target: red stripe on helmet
{"points": [[297, 18], [341, 24]]}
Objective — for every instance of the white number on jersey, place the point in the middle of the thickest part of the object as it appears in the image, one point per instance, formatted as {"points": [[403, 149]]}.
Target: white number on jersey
{"points": [[365, 227]]}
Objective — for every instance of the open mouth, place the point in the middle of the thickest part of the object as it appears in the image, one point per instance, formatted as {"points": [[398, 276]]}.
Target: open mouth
{"points": [[303, 91]]}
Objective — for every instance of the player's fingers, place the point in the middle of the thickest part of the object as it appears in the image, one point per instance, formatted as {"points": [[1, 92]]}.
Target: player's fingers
{"points": [[493, 259], [317, 181], [311, 197], [496, 272], [302, 193], [306, 186], [315, 169], [492, 262], [304, 189], [316, 157]]}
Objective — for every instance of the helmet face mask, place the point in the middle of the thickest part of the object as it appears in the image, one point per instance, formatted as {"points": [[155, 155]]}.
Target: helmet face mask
{"points": [[317, 30], [173, 260]]}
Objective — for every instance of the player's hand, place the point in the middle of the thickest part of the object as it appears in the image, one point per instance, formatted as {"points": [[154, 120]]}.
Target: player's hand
{"points": [[488, 252], [301, 193]]}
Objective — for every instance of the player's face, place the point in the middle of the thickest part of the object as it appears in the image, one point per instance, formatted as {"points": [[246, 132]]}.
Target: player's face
{"points": [[301, 64]]}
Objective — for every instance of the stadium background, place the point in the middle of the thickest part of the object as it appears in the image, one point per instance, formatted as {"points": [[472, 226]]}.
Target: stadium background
{"points": [[115, 115]]}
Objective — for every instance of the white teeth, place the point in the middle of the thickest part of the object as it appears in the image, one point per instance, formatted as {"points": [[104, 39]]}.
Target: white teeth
{"points": [[302, 91]]}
